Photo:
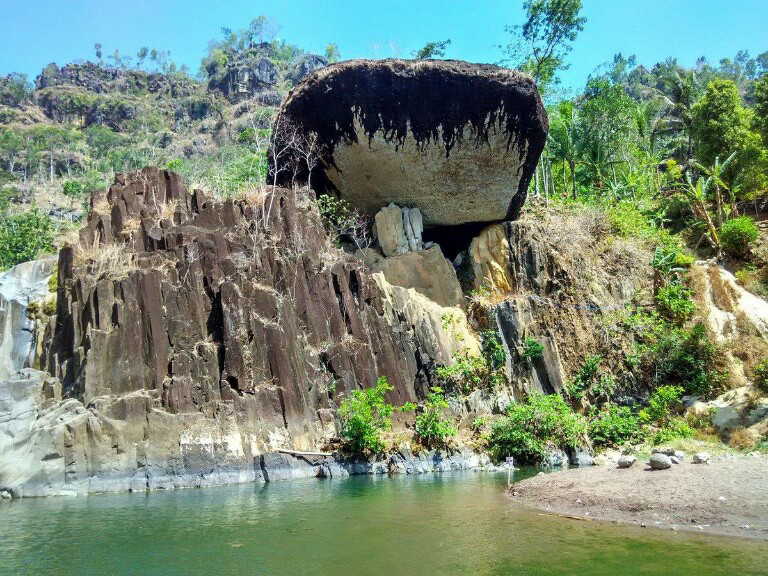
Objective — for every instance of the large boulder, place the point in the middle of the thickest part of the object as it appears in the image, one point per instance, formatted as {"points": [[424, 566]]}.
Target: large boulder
{"points": [[458, 141]]}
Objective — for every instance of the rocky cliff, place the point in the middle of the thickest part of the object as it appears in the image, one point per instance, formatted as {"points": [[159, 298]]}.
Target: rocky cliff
{"points": [[191, 336]]}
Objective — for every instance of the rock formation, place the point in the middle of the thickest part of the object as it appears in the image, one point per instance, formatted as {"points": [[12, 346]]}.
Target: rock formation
{"points": [[458, 141], [19, 286], [191, 336]]}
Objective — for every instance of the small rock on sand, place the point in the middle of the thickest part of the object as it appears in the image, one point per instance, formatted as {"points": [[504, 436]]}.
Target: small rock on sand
{"points": [[626, 461], [701, 458], [660, 461]]}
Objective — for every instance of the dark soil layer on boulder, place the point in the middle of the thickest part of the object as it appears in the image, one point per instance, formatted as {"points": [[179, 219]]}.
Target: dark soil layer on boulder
{"points": [[427, 111]]}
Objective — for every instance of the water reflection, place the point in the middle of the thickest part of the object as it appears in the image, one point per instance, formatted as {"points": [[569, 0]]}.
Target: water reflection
{"points": [[433, 524]]}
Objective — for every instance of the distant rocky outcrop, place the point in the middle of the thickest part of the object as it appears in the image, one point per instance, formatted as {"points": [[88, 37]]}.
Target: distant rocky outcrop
{"points": [[458, 141]]}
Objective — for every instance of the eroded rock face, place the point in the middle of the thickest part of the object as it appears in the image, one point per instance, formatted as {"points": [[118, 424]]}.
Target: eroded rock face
{"points": [[458, 141], [192, 336], [19, 286]]}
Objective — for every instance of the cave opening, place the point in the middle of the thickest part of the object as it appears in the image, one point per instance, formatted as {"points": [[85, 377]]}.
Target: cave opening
{"points": [[453, 239]]}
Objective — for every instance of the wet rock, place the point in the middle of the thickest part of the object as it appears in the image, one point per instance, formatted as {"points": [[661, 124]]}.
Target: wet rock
{"points": [[626, 461], [660, 461], [458, 141], [277, 467]]}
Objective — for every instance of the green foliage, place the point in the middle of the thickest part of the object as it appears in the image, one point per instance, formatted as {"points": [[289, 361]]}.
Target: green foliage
{"points": [[613, 425], [432, 428], [674, 429], [431, 50], [468, 373], [532, 350], [493, 351], [536, 424], [24, 236], [73, 189], [364, 416], [332, 53], [540, 45], [661, 405], [761, 375], [760, 119], [689, 359], [720, 122], [675, 302], [588, 381], [738, 235]]}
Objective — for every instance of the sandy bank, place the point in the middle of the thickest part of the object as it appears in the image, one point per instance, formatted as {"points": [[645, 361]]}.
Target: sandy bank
{"points": [[727, 496]]}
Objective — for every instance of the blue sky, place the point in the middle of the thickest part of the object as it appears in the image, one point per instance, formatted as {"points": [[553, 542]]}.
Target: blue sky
{"points": [[36, 32]]}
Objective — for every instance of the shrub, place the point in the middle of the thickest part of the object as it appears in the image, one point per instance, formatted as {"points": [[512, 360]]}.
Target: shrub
{"points": [[24, 236], [761, 375], [73, 189], [613, 425], [364, 416], [589, 381], [660, 405], [532, 350], [676, 428], [469, 373], [675, 302], [738, 235], [532, 426], [689, 359], [432, 429]]}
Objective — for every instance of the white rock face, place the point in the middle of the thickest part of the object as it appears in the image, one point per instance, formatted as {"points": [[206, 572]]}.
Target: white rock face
{"points": [[22, 284]]}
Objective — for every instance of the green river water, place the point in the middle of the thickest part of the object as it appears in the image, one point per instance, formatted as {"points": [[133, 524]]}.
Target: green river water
{"points": [[460, 523]]}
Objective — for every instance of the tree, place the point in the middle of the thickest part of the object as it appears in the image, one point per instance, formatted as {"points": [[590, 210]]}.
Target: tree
{"points": [[720, 123], [760, 120], [540, 46], [141, 55], [97, 49], [431, 50], [332, 53]]}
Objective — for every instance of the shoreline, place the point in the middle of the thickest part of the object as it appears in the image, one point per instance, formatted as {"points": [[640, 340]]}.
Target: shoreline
{"points": [[723, 498]]}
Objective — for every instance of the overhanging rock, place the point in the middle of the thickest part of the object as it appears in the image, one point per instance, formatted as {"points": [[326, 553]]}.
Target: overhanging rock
{"points": [[458, 141]]}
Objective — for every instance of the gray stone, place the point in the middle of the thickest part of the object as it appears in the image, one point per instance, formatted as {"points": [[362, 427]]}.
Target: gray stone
{"points": [[426, 271], [626, 461], [680, 455], [674, 459], [5, 495], [665, 451], [555, 458], [660, 461], [277, 467], [390, 230], [701, 458]]}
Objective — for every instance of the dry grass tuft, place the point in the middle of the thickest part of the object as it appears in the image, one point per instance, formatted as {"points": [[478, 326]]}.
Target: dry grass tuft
{"points": [[111, 261], [742, 439]]}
